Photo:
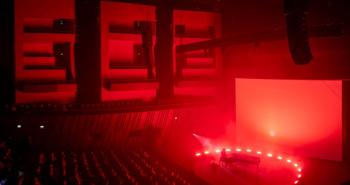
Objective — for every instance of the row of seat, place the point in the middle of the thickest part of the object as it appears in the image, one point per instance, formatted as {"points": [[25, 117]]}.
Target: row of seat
{"points": [[107, 167]]}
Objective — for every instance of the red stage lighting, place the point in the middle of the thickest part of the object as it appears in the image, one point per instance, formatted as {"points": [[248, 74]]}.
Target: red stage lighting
{"points": [[294, 165]]}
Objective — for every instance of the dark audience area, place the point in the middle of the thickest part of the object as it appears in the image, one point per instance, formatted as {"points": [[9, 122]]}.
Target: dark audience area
{"points": [[16, 159], [22, 165]]}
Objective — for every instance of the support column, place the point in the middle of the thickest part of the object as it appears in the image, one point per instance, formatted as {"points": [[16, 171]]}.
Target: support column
{"points": [[229, 82], [88, 51], [7, 54], [346, 120], [164, 49], [345, 17], [346, 95]]}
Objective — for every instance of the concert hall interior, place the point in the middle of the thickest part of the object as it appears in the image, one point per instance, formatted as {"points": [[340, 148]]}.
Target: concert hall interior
{"points": [[174, 92]]}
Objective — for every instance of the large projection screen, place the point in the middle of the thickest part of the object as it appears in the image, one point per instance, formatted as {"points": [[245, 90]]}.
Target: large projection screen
{"points": [[302, 117]]}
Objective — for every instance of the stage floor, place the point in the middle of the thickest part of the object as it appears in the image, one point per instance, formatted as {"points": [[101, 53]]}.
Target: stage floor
{"points": [[315, 172]]}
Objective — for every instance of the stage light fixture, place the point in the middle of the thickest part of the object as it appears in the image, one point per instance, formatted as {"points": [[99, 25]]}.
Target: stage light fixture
{"points": [[19, 126]]}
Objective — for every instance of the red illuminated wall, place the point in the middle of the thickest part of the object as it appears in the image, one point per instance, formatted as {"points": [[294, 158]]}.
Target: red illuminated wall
{"points": [[43, 81], [303, 117], [129, 79], [123, 75], [201, 70]]}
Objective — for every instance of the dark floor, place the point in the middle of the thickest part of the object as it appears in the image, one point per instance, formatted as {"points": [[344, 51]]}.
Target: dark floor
{"points": [[322, 172]]}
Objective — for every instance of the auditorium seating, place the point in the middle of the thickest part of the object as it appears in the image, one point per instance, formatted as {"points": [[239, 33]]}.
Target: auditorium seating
{"points": [[116, 167]]}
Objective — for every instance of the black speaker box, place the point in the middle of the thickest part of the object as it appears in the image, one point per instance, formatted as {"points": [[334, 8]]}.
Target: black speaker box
{"points": [[297, 30]]}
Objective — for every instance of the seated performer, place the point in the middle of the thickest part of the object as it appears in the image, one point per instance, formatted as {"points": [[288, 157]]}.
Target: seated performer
{"points": [[223, 157]]}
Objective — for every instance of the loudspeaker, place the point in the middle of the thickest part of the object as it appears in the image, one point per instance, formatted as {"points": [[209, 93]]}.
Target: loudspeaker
{"points": [[297, 30]]}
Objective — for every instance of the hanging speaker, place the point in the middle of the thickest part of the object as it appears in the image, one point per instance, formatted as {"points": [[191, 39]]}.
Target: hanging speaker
{"points": [[297, 30]]}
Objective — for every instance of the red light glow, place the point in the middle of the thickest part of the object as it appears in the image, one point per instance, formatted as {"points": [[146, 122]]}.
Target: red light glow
{"points": [[258, 152], [287, 113]]}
